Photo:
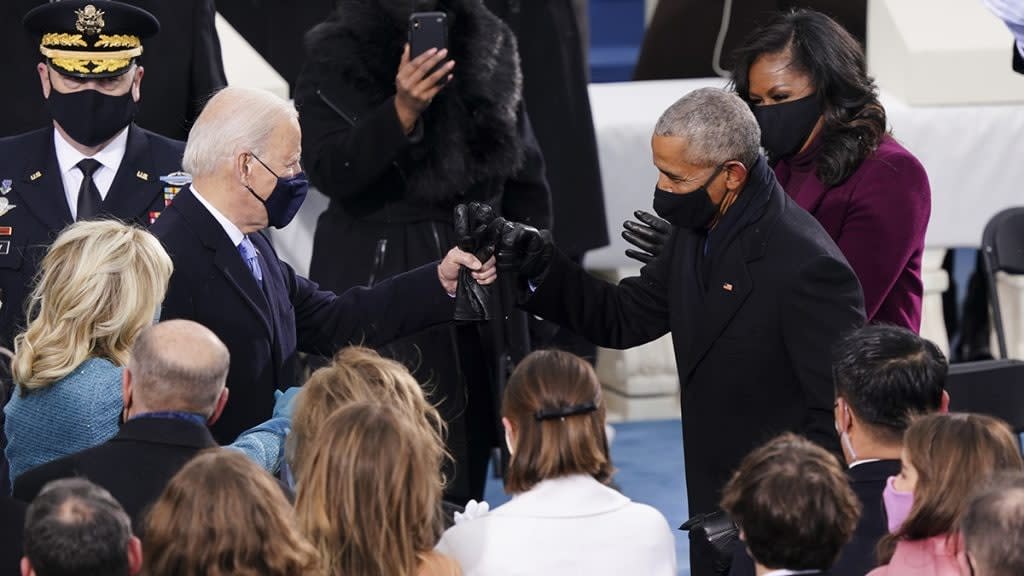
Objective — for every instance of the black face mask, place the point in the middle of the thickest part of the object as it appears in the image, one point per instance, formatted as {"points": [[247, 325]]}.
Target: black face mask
{"points": [[785, 127], [285, 199], [694, 210], [90, 117]]}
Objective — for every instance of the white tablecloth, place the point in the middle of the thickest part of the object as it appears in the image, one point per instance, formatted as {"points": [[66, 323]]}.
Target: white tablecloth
{"points": [[970, 153]]}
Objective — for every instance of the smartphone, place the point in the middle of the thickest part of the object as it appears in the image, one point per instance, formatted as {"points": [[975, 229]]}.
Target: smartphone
{"points": [[427, 30]]}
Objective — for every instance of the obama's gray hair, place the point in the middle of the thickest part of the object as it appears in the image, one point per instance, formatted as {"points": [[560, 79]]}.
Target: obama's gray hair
{"points": [[717, 125]]}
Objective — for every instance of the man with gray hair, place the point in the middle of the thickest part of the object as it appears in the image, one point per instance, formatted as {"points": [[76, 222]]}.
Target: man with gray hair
{"points": [[751, 287], [77, 528], [993, 529], [173, 388], [243, 154]]}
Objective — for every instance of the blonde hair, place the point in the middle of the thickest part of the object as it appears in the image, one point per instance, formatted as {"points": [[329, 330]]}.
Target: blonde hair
{"points": [[223, 515], [370, 498], [546, 383], [357, 374], [99, 285]]}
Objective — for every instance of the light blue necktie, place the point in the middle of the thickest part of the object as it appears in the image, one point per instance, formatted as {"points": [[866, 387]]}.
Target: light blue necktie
{"points": [[248, 252]]}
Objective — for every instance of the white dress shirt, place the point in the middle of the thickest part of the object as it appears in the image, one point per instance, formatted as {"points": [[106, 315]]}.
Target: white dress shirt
{"points": [[68, 158], [229, 227], [856, 463], [562, 526]]}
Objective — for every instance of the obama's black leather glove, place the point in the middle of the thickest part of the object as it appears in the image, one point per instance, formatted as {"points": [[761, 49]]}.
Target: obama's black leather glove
{"points": [[649, 235], [525, 251]]}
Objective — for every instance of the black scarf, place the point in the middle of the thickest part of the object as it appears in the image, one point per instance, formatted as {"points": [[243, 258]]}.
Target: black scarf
{"points": [[470, 129]]}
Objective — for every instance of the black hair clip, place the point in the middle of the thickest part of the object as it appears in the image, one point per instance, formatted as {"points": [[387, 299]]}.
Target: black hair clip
{"points": [[562, 413]]}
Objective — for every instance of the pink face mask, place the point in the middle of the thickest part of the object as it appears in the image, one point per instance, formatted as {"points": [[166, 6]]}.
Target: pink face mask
{"points": [[897, 505]]}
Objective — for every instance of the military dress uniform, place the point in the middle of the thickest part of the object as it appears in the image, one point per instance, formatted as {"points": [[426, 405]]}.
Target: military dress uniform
{"points": [[38, 192]]}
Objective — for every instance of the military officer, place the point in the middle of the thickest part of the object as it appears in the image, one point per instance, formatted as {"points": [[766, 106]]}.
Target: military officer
{"points": [[92, 161]]}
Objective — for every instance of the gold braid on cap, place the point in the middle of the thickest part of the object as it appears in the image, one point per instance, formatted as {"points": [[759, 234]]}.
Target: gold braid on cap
{"points": [[54, 54], [63, 39], [100, 66], [118, 41], [72, 64]]}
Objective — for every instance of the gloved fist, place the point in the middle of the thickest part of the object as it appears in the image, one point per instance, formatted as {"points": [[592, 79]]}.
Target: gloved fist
{"points": [[526, 251], [649, 235], [477, 229]]}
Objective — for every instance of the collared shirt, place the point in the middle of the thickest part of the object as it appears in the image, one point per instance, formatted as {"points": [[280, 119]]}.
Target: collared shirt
{"points": [[788, 572], [229, 227], [1012, 13], [68, 158], [192, 417], [856, 463]]}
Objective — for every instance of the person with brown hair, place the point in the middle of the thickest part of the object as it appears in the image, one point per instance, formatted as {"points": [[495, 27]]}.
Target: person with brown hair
{"points": [[356, 374], [945, 457], [794, 506], [370, 495], [222, 515], [554, 417]]}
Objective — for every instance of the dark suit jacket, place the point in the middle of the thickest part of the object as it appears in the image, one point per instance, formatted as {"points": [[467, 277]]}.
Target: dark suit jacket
{"points": [[183, 67], [41, 211], [133, 466], [858, 556], [265, 327], [753, 351], [868, 481], [12, 525], [1018, 60]]}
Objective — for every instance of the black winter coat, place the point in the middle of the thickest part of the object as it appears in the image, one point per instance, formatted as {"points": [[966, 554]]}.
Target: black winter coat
{"points": [[392, 196], [752, 344]]}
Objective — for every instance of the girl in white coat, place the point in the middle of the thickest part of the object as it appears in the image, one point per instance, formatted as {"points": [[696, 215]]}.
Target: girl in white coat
{"points": [[562, 518]]}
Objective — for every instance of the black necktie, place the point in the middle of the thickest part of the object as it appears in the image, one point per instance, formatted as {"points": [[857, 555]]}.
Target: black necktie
{"points": [[89, 200]]}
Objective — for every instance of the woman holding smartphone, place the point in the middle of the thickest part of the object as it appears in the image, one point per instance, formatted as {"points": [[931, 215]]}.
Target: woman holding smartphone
{"points": [[396, 140]]}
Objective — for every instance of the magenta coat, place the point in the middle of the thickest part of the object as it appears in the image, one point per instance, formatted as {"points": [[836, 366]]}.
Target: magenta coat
{"points": [[878, 218]]}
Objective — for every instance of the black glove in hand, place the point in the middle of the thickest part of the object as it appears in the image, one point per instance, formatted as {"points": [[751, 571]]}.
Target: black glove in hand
{"points": [[649, 235], [525, 251], [717, 532], [477, 231]]}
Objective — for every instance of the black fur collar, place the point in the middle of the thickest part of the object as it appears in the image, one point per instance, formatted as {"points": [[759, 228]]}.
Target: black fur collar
{"points": [[470, 128]]}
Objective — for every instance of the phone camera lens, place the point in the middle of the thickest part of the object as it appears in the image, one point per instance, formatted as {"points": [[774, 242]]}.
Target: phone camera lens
{"points": [[415, 24]]}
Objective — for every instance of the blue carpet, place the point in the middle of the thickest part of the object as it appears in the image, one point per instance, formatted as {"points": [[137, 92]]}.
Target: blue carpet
{"points": [[649, 460]]}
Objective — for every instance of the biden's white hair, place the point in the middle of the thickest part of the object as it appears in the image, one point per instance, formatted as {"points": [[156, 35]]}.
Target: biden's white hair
{"points": [[234, 120], [717, 125]]}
